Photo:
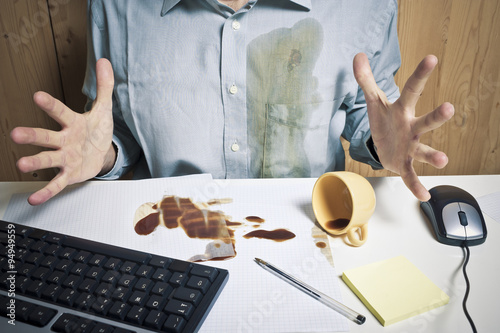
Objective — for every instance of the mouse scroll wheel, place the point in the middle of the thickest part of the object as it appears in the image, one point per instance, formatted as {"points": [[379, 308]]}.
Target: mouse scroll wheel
{"points": [[463, 218]]}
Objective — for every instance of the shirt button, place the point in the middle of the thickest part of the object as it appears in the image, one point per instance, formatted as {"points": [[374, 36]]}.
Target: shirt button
{"points": [[235, 147], [236, 25], [233, 89]]}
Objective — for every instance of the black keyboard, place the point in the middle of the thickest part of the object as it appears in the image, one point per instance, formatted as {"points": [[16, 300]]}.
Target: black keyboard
{"points": [[57, 283]]}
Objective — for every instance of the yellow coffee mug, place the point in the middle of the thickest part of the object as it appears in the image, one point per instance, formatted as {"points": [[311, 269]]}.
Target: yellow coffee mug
{"points": [[343, 202]]}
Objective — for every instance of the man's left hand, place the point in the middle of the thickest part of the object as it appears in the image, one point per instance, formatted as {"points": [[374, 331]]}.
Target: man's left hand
{"points": [[395, 130]]}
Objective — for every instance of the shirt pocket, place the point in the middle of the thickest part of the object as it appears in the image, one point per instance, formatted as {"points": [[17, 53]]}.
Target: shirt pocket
{"points": [[296, 139]]}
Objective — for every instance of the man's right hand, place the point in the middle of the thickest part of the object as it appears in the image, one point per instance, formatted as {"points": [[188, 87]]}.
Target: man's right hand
{"points": [[82, 148]]}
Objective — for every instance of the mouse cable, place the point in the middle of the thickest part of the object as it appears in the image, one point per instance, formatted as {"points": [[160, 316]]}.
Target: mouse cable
{"points": [[464, 305]]}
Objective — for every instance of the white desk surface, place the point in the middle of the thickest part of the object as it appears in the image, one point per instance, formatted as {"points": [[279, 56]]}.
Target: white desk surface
{"points": [[398, 227]]}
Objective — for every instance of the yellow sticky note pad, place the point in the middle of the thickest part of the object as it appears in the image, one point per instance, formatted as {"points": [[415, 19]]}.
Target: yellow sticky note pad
{"points": [[394, 289]]}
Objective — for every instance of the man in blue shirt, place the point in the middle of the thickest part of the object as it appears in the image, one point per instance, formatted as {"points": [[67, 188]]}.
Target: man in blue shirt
{"points": [[238, 89]]}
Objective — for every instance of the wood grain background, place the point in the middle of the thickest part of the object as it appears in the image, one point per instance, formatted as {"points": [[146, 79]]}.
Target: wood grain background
{"points": [[42, 47]]}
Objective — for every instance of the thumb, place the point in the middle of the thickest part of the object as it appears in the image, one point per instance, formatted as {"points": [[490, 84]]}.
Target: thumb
{"points": [[364, 77], [105, 83]]}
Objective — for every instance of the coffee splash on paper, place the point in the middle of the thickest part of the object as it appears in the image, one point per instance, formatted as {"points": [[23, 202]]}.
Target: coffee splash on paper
{"points": [[198, 221]]}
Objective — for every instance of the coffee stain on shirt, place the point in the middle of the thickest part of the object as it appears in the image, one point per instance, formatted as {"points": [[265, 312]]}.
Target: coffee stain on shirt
{"points": [[284, 107]]}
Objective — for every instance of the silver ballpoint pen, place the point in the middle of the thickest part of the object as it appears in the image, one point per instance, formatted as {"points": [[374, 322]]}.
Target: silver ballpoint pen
{"points": [[325, 299]]}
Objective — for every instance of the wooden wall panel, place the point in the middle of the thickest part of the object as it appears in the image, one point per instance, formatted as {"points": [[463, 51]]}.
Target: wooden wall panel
{"points": [[465, 35], [69, 20], [28, 63]]}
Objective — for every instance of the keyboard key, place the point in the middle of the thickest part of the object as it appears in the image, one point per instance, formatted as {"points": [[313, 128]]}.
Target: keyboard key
{"points": [[34, 258], [54, 238], [113, 264], [50, 262], [35, 288], [52, 250], [104, 290], [156, 302], [102, 305], [127, 281], [111, 277], [23, 231], [83, 257], [88, 286], [155, 319], [26, 243], [159, 262], [40, 273], [178, 279], [39, 246], [41, 316], [23, 310], [144, 285], [174, 324], [119, 310], [85, 301], [145, 271], [162, 288], [137, 298], [180, 308], [56, 277], [84, 325], [68, 297], [129, 267], [188, 295], [95, 273], [67, 253], [103, 328], [97, 260], [136, 315], [161, 275], [79, 269], [121, 294], [180, 266], [198, 283], [64, 265], [72, 281], [205, 271], [65, 323], [52, 292]]}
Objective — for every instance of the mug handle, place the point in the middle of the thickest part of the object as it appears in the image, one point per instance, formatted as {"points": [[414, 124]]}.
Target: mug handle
{"points": [[353, 238]]}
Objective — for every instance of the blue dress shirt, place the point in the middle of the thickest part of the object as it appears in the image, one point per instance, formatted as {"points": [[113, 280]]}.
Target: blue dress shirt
{"points": [[266, 91]]}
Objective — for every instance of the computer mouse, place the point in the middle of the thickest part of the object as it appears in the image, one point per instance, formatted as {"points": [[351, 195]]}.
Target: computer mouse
{"points": [[455, 216]]}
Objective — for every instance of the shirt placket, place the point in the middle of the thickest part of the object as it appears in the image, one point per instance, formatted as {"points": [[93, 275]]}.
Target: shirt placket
{"points": [[233, 81]]}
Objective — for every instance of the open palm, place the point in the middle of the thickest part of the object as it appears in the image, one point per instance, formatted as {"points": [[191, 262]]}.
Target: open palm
{"points": [[395, 130], [83, 145]]}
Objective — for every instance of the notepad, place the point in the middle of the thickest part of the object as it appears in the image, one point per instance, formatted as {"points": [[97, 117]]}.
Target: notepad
{"points": [[394, 289]]}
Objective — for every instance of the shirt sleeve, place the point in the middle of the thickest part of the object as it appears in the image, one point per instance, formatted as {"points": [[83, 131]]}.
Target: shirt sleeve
{"points": [[128, 150], [385, 60]]}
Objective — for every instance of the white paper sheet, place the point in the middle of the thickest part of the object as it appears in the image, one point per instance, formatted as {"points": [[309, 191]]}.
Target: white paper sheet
{"points": [[253, 300], [490, 205]]}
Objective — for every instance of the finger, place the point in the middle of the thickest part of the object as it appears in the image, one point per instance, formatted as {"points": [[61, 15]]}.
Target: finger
{"points": [[42, 160], [434, 119], [416, 83], [105, 83], [36, 136], [364, 77], [55, 186], [411, 181], [54, 108], [429, 155]]}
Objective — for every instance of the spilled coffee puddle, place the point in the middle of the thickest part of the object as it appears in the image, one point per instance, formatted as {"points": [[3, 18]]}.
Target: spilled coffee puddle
{"points": [[198, 221], [278, 235]]}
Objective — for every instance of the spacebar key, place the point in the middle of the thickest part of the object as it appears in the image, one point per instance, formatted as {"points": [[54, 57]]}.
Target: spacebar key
{"points": [[106, 249]]}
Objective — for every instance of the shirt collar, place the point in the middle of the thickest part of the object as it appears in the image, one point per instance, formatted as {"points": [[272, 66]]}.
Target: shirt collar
{"points": [[169, 4]]}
